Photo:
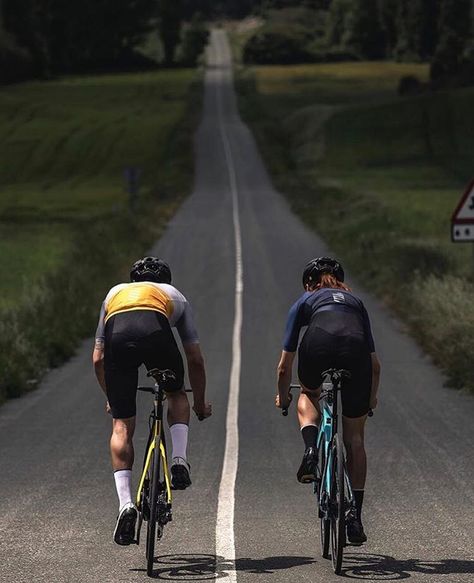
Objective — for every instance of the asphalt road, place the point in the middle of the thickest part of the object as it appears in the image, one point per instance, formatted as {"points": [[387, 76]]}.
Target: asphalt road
{"points": [[58, 504]]}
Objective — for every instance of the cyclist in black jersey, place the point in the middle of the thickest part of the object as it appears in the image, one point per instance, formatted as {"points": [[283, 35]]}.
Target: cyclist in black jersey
{"points": [[135, 328], [338, 335]]}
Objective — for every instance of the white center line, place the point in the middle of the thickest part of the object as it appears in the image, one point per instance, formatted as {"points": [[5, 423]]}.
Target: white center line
{"points": [[225, 540]]}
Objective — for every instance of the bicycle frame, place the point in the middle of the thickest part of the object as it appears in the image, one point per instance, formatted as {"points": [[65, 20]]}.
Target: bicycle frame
{"points": [[331, 421], [325, 436], [156, 437]]}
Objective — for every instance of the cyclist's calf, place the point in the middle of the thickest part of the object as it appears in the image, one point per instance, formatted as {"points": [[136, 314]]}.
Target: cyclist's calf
{"points": [[178, 407], [355, 447], [121, 443]]}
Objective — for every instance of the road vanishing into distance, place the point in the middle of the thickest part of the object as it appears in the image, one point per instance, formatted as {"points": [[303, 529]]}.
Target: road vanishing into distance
{"points": [[237, 253]]}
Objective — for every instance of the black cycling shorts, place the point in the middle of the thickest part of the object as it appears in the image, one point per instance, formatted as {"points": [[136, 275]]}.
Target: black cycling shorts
{"points": [[320, 350], [132, 339]]}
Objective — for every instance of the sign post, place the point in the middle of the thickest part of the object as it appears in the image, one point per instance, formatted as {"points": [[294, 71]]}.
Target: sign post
{"points": [[462, 221], [132, 178]]}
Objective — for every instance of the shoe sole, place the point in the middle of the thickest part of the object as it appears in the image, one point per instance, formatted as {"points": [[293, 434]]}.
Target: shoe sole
{"points": [[180, 480], [356, 544], [307, 479], [128, 521]]}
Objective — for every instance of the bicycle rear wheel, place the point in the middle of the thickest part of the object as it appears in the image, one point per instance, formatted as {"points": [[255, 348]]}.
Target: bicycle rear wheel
{"points": [[154, 490], [337, 505], [325, 529]]}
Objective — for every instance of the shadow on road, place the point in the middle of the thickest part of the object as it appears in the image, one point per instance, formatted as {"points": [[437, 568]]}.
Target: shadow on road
{"points": [[386, 568], [201, 567]]}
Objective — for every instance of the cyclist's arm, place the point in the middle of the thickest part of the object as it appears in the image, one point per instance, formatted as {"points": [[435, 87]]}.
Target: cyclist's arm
{"points": [[98, 352], [284, 374], [375, 379], [197, 378], [98, 360]]}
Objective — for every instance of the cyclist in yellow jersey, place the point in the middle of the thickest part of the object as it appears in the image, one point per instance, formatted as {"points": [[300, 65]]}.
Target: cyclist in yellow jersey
{"points": [[135, 328]]}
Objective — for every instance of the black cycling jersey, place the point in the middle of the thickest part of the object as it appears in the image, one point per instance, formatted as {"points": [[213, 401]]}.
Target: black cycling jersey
{"points": [[308, 310]]}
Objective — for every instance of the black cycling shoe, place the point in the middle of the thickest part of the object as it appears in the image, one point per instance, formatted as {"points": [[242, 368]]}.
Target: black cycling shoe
{"points": [[307, 472], [355, 531], [180, 478], [124, 533]]}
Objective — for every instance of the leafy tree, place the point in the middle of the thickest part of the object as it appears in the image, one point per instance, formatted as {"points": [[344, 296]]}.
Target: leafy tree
{"points": [[194, 41], [336, 26], [28, 21], [416, 29], [171, 19], [69, 36], [454, 27], [362, 29], [388, 23]]}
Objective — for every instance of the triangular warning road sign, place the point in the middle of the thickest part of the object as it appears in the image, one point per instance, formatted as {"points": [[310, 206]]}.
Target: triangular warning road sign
{"points": [[464, 212]]}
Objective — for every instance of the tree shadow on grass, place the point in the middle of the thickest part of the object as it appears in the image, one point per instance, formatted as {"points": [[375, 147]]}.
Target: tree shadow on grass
{"points": [[202, 567], [387, 568]]}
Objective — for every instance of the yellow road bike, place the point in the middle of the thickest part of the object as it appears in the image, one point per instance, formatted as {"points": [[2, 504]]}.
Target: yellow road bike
{"points": [[154, 497]]}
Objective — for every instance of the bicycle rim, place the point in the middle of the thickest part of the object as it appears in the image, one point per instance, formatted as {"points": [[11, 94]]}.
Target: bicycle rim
{"points": [[324, 522], [153, 506], [338, 515]]}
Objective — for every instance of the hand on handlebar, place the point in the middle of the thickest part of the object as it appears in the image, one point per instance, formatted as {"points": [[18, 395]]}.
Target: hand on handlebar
{"points": [[203, 411], [283, 405], [373, 402]]}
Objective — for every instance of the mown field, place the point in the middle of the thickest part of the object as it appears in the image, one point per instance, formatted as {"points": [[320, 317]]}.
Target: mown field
{"points": [[67, 229], [378, 176]]}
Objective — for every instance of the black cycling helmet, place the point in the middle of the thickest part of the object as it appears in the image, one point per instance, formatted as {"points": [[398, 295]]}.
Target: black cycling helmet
{"points": [[151, 269], [316, 267]]}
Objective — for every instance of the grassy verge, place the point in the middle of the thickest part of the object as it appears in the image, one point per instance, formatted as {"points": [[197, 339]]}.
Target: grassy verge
{"points": [[378, 177], [67, 230]]}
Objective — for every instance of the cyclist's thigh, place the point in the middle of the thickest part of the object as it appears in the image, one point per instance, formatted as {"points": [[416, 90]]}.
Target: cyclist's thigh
{"points": [[160, 351], [355, 357], [121, 362], [314, 357], [121, 383]]}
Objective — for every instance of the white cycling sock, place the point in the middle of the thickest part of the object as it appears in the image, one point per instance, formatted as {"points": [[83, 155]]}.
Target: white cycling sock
{"points": [[123, 484], [179, 438]]}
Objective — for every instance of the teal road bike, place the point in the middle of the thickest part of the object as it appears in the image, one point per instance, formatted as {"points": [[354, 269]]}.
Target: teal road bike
{"points": [[333, 490], [336, 502]]}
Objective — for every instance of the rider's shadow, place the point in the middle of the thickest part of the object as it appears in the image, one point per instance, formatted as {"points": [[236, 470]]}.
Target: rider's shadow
{"points": [[202, 567], [387, 568]]}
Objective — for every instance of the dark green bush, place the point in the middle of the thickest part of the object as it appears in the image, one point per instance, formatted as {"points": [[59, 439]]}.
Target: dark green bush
{"points": [[409, 85], [62, 308], [15, 63], [277, 44]]}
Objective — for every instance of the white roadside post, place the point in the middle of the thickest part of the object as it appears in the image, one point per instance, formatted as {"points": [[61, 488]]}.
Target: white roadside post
{"points": [[462, 221]]}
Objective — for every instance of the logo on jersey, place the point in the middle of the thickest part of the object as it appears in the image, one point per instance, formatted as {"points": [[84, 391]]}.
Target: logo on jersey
{"points": [[338, 298]]}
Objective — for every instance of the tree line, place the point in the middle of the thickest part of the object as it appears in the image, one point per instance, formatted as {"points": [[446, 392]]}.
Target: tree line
{"points": [[42, 38], [435, 31]]}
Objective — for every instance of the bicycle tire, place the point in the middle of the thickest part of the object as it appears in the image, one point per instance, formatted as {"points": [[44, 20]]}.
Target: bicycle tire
{"points": [[153, 507], [324, 522], [338, 505]]}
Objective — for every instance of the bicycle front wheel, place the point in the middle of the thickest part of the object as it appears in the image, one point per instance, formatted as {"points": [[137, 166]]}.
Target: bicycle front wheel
{"points": [[153, 510], [337, 505]]}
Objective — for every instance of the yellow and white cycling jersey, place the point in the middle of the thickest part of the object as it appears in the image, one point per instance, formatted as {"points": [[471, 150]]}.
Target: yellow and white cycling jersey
{"points": [[147, 295]]}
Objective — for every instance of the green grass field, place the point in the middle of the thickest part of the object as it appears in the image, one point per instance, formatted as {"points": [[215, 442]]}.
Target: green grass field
{"points": [[378, 176], [67, 230], [64, 146]]}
